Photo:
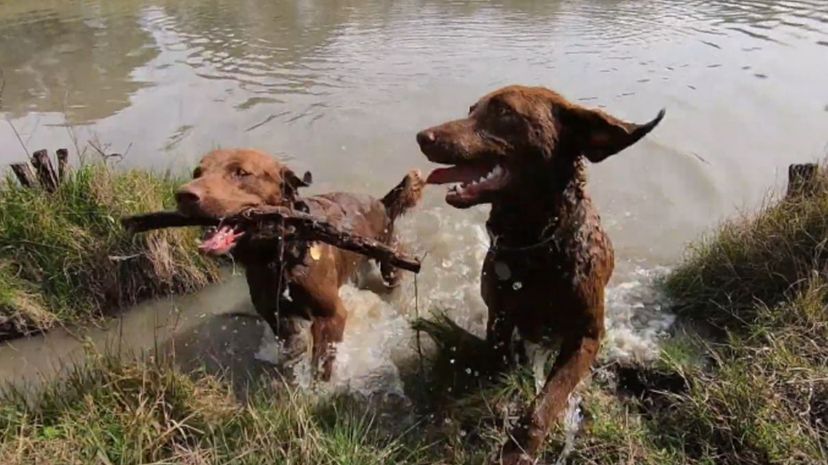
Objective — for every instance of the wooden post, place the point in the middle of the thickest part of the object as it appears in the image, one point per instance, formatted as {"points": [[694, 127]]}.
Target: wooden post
{"points": [[802, 180], [45, 171], [63, 163], [24, 174]]}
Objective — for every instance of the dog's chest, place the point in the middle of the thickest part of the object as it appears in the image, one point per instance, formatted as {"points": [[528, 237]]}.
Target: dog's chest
{"points": [[549, 287]]}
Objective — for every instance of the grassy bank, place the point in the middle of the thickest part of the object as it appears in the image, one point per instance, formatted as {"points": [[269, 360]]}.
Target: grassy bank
{"points": [[761, 284], [65, 258], [136, 413], [753, 390]]}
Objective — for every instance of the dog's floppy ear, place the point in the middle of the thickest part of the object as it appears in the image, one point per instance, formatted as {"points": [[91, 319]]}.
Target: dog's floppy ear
{"points": [[597, 135], [292, 182]]}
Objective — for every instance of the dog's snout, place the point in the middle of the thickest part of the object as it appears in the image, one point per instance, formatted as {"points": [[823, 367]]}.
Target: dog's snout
{"points": [[187, 198], [426, 137]]}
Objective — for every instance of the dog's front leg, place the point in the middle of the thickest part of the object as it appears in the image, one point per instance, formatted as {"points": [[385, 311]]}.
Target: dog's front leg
{"points": [[327, 331], [574, 362]]}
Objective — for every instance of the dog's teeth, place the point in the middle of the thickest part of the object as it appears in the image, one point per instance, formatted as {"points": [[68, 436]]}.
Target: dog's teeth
{"points": [[497, 171], [482, 178]]}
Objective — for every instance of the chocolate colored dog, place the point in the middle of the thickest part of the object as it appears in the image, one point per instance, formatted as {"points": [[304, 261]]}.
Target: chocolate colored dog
{"points": [[522, 149], [304, 281]]}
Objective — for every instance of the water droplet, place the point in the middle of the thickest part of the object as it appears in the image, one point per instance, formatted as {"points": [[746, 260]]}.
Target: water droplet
{"points": [[517, 285], [468, 371], [451, 361]]}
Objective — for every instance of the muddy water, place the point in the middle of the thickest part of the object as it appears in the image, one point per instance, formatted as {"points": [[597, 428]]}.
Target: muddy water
{"points": [[340, 88]]}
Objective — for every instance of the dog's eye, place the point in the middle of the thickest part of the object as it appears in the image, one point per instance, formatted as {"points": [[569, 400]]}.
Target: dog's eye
{"points": [[503, 111], [472, 108], [241, 173], [196, 173]]}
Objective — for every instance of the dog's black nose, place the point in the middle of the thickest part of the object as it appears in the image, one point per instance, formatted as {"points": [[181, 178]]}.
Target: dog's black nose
{"points": [[186, 198], [425, 138]]}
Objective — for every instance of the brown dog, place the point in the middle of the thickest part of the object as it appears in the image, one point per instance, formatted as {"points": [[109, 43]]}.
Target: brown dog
{"points": [[522, 150], [304, 282]]}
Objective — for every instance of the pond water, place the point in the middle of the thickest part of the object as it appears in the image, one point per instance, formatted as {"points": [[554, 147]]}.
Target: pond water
{"points": [[341, 88]]}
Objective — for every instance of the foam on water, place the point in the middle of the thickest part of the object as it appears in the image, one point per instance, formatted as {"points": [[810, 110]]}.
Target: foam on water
{"points": [[376, 339], [637, 317]]}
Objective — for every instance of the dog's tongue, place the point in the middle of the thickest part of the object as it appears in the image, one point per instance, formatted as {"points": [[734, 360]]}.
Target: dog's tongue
{"points": [[459, 173], [221, 241]]}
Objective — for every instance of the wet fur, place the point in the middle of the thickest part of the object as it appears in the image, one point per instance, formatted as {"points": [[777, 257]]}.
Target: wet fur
{"points": [[545, 233], [299, 284]]}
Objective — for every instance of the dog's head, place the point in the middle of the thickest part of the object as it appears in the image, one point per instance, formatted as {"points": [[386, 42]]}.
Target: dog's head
{"points": [[227, 182], [518, 133]]}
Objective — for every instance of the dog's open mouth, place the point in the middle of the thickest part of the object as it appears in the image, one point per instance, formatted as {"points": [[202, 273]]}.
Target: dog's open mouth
{"points": [[470, 181], [220, 240]]}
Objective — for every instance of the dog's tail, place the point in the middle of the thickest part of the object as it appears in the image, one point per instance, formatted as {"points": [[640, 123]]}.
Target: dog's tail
{"points": [[405, 195]]}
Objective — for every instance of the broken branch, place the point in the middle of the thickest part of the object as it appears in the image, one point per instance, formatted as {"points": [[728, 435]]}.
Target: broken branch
{"points": [[289, 225]]}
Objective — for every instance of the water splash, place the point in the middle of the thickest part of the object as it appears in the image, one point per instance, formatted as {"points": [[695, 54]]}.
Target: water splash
{"points": [[366, 359], [637, 317], [378, 336], [571, 424]]}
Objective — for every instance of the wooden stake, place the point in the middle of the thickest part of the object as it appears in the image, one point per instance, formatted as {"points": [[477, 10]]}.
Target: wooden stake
{"points": [[45, 171], [63, 163], [24, 174], [802, 179]]}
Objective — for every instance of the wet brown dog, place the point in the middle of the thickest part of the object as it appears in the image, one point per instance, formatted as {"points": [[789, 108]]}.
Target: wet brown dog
{"points": [[304, 282], [522, 150]]}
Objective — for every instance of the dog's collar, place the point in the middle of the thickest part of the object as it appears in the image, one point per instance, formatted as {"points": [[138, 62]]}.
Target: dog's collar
{"points": [[495, 246]]}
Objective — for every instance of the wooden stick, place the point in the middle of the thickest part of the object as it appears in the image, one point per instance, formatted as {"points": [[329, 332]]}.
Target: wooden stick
{"points": [[45, 171], [63, 163], [272, 223], [24, 174]]}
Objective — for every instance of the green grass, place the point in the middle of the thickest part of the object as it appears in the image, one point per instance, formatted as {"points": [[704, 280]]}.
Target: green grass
{"points": [[65, 258], [762, 282], [753, 261], [149, 412]]}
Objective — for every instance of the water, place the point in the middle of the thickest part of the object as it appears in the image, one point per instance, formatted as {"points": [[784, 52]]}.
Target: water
{"points": [[341, 88]]}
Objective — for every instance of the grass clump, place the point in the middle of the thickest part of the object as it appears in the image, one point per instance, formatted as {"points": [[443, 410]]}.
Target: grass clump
{"points": [[149, 412], [762, 281], [65, 258], [766, 258], [763, 397]]}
